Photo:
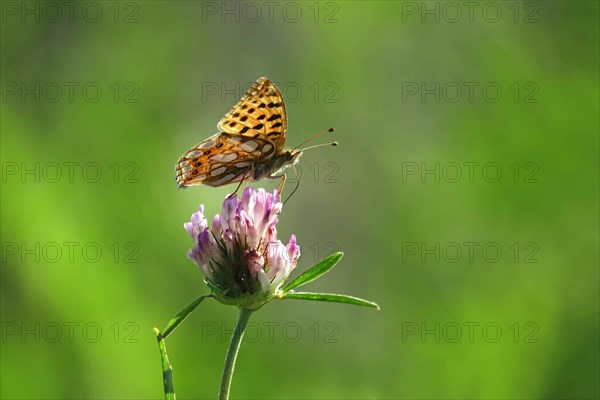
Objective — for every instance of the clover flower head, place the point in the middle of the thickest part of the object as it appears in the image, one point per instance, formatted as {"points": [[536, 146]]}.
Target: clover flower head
{"points": [[240, 256]]}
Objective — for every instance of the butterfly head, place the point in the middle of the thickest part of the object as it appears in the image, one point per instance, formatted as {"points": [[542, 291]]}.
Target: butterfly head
{"points": [[291, 157], [283, 160]]}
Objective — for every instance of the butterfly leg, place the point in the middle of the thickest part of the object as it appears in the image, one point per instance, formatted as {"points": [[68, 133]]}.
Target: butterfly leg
{"points": [[282, 183], [236, 189], [244, 179]]}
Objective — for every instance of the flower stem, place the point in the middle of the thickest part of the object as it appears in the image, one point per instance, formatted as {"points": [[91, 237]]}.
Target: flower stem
{"points": [[234, 346]]}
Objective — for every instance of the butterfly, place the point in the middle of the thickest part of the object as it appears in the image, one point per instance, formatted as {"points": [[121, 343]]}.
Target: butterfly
{"points": [[249, 145]]}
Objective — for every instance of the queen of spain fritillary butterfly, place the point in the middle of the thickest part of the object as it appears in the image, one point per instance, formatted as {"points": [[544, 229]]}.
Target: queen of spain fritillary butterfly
{"points": [[249, 145]]}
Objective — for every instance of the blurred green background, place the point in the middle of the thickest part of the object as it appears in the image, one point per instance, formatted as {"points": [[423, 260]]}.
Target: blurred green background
{"points": [[151, 79]]}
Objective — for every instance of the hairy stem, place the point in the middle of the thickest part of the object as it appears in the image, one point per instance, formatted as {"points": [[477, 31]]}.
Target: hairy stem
{"points": [[234, 346]]}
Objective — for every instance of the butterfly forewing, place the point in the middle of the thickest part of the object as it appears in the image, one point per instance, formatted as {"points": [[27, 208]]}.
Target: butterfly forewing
{"points": [[261, 111], [253, 131]]}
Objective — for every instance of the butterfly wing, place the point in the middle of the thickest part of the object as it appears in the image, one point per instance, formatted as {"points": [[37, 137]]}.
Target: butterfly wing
{"points": [[221, 159], [254, 130], [259, 114]]}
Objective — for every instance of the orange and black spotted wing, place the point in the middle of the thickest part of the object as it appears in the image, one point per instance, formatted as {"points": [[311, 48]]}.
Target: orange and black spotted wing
{"points": [[221, 159], [260, 113]]}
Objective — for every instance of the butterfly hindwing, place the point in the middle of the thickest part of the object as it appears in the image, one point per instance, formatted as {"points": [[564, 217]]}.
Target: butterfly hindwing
{"points": [[221, 159]]}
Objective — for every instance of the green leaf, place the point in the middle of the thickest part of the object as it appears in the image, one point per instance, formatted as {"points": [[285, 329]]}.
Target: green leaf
{"points": [[335, 298], [315, 271], [166, 367], [182, 314]]}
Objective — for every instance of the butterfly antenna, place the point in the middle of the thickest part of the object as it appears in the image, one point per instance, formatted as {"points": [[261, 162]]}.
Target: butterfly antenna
{"points": [[297, 185], [314, 137], [320, 145]]}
